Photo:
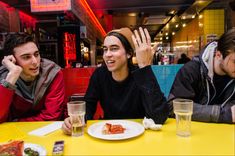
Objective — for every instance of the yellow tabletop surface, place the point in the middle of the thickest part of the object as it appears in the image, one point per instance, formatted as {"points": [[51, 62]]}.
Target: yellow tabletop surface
{"points": [[206, 139]]}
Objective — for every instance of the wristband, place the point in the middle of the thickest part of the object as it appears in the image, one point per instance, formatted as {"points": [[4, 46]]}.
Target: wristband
{"points": [[6, 84]]}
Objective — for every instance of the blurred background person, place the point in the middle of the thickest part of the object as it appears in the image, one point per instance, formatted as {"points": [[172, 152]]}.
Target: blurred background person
{"points": [[183, 59]]}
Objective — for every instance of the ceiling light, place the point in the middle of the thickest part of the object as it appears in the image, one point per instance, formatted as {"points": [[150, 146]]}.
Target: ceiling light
{"points": [[172, 12], [173, 33], [132, 14], [184, 25], [200, 16], [160, 38], [200, 24], [193, 16], [183, 17], [166, 34], [177, 25], [167, 37], [167, 25]]}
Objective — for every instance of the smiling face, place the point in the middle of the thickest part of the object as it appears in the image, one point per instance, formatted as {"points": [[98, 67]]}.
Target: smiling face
{"points": [[27, 56], [115, 56]]}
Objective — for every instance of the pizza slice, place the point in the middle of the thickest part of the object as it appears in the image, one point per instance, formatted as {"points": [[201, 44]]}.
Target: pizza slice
{"points": [[113, 129], [12, 148]]}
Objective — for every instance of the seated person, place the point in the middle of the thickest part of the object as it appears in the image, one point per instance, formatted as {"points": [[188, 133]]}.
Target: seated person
{"points": [[183, 59], [208, 79], [32, 88], [125, 91]]}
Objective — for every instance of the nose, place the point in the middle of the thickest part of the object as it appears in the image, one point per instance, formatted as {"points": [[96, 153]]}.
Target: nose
{"points": [[108, 53], [34, 60]]}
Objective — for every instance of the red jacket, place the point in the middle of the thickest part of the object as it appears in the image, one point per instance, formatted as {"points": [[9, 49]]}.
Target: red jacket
{"points": [[47, 105]]}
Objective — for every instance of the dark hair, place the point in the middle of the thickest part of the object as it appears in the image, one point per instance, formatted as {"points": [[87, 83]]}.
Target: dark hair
{"points": [[15, 40], [125, 44], [183, 55], [226, 43]]}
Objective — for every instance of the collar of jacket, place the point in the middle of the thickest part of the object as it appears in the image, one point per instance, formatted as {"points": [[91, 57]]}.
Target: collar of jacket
{"points": [[47, 74], [206, 58]]}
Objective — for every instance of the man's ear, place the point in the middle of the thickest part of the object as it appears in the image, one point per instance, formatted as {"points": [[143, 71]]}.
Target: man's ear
{"points": [[218, 54]]}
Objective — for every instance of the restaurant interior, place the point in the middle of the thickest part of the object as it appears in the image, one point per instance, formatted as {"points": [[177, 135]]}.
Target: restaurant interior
{"points": [[71, 33], [170, 24]]}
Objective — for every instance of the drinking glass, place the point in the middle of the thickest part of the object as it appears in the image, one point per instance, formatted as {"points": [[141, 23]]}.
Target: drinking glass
{"points": [[183, 109], [76, 112]]}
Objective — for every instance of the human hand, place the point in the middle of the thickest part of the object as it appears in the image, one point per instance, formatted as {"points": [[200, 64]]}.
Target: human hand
{"points": [[66, 127], [14, 70], [142, 43], [233, 113]]}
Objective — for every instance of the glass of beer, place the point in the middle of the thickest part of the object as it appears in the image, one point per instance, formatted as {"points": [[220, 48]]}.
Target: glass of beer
{"points": [[76, 112], [183, 109]]}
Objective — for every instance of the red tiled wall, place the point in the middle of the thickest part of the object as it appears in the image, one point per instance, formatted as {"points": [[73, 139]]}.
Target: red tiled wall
{"points": [[77, 80]]}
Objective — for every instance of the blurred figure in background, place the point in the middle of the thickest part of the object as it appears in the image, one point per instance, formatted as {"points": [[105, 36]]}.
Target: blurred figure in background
{"points": [[183, 59], [32, 88]]}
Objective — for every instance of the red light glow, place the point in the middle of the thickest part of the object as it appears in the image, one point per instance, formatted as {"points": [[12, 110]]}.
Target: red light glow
{"points": [[27, 20], [93, 17], [69, 45]]}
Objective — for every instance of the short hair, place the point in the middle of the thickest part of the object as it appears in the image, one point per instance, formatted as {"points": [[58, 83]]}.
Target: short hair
{"points": [[14, 40], [226, 43], [183, 55]]}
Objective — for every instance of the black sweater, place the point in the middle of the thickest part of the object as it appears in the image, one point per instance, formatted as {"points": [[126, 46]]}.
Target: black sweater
{"points": [[137, 96]]}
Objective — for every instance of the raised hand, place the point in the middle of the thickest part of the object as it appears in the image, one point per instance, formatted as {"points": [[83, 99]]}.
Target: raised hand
{"points": [[14, 70], [142, 43]]}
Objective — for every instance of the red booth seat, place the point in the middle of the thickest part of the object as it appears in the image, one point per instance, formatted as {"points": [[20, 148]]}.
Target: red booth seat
{"points": [[76, 82]]}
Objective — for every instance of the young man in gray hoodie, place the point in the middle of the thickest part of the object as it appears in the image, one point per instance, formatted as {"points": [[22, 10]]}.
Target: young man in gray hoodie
{"points": [[209, 80]]}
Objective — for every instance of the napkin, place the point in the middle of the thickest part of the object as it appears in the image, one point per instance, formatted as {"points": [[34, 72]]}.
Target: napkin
{"points": [[149, 124], [46, 129]]}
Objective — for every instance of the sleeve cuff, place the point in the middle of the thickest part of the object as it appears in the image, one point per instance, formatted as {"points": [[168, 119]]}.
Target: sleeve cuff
{"points": [[225, 115], [6, 84]]}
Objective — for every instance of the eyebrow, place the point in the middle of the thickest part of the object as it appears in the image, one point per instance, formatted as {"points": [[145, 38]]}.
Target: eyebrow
{"points": [[113, 45], [29, 54]]}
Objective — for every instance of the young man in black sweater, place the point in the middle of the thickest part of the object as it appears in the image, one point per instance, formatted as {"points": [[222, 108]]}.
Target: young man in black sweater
{"points": [[125, 91]]}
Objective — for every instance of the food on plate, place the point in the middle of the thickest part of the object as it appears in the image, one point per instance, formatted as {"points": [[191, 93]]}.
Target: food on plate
{"points": [[30, 152], [113, 129], [12, 148]]}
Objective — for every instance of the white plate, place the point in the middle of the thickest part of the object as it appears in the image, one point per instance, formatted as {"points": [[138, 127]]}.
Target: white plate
{"points": [[41, 150], [133, 129]]}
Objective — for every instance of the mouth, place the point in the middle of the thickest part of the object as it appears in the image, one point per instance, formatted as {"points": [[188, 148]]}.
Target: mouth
{"points": [[110, 62], [34, 70]]}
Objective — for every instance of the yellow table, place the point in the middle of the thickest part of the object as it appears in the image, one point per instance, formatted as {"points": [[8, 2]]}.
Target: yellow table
{"points": [[206, 139]]}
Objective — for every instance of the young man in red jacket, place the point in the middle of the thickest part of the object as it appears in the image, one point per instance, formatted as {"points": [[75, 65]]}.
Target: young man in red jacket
{"points": [[32, 88]]}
